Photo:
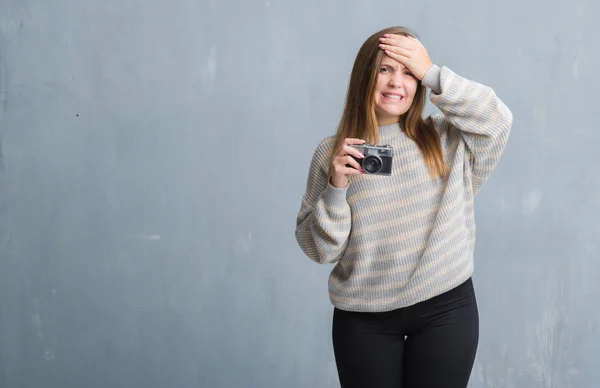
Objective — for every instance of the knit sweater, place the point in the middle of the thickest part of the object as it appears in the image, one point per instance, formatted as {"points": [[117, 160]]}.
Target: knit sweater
{"points": [[401, 239]]}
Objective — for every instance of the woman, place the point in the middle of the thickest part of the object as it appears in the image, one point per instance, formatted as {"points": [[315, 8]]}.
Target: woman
{"points": [[405, 313]]}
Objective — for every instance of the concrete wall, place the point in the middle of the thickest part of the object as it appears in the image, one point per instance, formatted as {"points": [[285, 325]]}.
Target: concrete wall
{"points": [[153, 156]]}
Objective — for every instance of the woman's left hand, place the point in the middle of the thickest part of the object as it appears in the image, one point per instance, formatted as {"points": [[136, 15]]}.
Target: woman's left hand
{"points": [[408, 51]]}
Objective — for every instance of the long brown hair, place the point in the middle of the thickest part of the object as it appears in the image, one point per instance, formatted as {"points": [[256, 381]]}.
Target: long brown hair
{"points": [[359, 119]]}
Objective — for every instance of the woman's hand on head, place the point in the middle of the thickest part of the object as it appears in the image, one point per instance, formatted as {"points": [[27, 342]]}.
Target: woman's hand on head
{"points": [[343, 164], [408, 51]]}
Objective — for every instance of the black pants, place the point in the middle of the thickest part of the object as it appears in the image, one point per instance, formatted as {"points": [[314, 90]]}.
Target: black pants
{"points": [[428, 345]]}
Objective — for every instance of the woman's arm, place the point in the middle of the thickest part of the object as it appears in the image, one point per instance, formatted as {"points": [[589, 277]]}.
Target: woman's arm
{"points": [[483, 120], [324, 220]]}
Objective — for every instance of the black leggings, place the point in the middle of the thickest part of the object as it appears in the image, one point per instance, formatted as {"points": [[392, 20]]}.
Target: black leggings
{"points": [[428, 345]]}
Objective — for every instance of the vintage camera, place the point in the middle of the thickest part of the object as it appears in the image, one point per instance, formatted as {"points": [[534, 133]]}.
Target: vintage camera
{"points": [[377, 160]]}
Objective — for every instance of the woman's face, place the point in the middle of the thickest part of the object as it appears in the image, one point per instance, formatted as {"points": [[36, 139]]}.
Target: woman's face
{"points": [[394, 92]]}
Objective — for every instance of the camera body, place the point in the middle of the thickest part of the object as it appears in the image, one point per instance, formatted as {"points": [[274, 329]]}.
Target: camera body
{"points": [[377, 160]]}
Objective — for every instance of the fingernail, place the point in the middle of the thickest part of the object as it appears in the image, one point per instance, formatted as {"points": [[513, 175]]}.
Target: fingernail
{"points": [[362, 156], [385, 35]]}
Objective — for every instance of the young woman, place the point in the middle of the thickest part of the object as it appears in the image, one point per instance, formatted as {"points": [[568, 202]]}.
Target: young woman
{"points": [[405, 313]]}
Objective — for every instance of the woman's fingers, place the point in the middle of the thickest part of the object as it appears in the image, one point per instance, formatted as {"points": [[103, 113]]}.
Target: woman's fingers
{"points": [[349, 150], [402, 52], [351, 141], [400, 58], [346, 165], [350, 161], [400, 41], [353, 171]]}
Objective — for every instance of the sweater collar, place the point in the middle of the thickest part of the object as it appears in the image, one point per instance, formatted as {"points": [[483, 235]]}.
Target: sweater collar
{"points": [[390, 129]]}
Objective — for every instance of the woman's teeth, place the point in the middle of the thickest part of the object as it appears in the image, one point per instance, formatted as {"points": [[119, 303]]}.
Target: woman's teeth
{"points": [[393, 96]]}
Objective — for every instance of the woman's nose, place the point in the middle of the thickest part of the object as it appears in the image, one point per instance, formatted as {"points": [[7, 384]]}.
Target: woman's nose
{"points": [[395, 81]]}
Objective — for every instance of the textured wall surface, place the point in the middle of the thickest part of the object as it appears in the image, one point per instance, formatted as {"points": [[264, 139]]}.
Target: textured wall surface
{"points": [[153, 156]]}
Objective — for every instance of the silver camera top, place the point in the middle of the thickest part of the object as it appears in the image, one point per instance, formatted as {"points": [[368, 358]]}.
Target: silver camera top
{"points": [[374, 149]]}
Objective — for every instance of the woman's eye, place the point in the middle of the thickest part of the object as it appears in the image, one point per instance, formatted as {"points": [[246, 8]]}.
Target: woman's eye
{"points": [[383, 69]]}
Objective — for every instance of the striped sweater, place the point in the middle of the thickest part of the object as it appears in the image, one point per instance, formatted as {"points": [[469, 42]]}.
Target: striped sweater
{"points": [[401, 239]]}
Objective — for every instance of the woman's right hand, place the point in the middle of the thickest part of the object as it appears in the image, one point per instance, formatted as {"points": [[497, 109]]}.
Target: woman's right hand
{"points": [[340, 172]]}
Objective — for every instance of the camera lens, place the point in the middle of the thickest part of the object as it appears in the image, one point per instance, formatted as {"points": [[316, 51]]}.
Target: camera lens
{"points": [[372, 164]]}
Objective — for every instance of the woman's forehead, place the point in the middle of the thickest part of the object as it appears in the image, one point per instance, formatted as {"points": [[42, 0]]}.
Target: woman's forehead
{"points": [[392, 62]]}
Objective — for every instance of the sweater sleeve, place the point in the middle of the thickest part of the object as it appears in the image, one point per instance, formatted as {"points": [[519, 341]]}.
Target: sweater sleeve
{"points": [[324, 220], [474, 109]]}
